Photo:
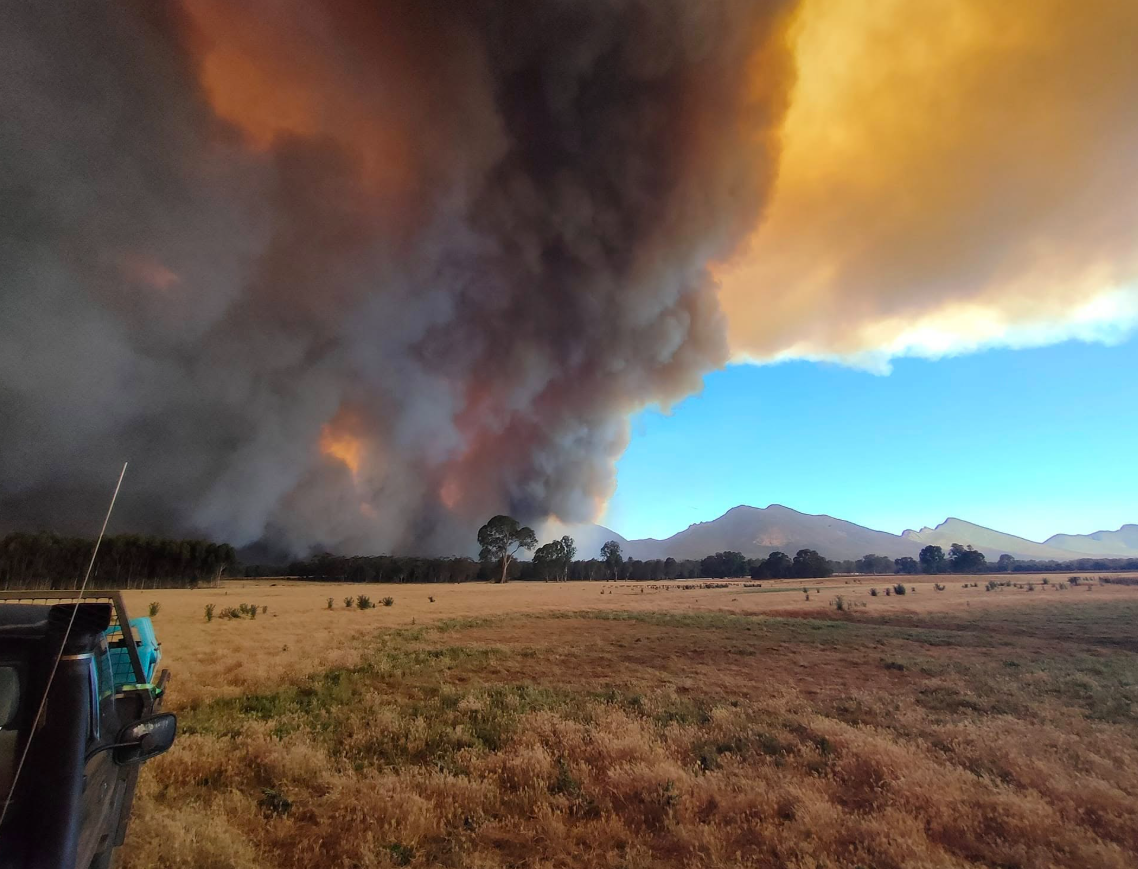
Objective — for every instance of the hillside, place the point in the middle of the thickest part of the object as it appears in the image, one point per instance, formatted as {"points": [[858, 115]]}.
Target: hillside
{"points": [[1122, 543], [992, 543], [756, 532]]}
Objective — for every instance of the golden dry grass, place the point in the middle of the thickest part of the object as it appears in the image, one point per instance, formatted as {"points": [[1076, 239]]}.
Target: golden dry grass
{"points": [[552, 725]]}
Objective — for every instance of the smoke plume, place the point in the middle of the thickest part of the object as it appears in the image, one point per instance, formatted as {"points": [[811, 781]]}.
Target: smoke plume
{"points": [[362, 274], [954, 174]]}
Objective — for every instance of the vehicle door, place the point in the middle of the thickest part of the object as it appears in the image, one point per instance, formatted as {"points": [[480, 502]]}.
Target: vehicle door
{"points": [[102, 782]]}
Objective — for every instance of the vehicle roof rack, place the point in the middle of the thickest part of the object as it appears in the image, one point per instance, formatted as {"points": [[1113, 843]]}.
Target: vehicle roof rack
{"points": [[118, 617]]}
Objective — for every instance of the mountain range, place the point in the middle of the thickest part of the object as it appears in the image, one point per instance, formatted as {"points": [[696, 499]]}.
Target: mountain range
{"points": [[758, 531]]}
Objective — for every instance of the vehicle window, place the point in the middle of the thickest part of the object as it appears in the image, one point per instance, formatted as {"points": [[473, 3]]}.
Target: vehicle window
{"points": [[105, 675], [9, 716], [93, 681], [9, 695]]}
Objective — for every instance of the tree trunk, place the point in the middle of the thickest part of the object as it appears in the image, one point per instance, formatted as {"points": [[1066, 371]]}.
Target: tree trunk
{"points": [[505, 566]]}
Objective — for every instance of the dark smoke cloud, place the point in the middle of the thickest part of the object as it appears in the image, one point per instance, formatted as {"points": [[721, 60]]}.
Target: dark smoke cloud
{"points": [[247, 245]]}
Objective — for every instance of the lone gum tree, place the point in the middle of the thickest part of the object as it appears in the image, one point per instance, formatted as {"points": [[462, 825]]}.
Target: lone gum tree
{"points": [[501, 538]]}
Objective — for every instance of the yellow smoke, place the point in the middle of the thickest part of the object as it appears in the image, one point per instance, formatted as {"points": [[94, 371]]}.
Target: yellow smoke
{"points": [[337, 442], [955, 173]]}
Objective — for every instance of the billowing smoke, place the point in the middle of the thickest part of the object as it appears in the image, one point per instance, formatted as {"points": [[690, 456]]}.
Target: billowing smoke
{"points": [[362, 274], [954, 174]]}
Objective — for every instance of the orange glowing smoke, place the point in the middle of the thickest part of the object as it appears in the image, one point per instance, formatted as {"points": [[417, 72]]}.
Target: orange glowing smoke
{"points": [[273, 74], [450, 493], [343, 446], [141, 269], [949, 169]]}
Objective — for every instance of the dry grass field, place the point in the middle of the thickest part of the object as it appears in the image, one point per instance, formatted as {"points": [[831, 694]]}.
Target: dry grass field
{"points": [[619, 725]]}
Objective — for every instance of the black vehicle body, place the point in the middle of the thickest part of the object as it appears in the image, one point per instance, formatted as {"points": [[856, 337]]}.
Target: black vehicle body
{"points": [[73, 797]]}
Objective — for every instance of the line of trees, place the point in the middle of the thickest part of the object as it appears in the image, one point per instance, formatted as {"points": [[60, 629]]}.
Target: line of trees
{"points": [[390, 568], [962, 558], [327, 567], [503, 538], [49, 561]]}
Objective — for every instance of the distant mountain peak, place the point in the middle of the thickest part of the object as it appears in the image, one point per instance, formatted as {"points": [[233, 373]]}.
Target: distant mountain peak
{"points": [[1122, 543], [757, 531]]}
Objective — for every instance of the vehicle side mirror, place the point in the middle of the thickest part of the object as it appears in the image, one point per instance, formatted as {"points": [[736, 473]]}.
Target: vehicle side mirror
{"points": [[146, 738]]}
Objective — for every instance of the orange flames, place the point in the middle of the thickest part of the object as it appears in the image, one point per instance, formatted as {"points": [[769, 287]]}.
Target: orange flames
{"points": [[450, 493], [339, 444]]}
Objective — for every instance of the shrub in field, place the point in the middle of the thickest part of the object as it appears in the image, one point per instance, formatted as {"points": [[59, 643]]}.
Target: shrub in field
{"points": [[992, 585], [1074, 580], [241, 611], [899, 588], [431, 599], [348, 602], [273, 802], [264, 609], [153, 608], [888, 592], [401, 855], [1031, 586], [209, 612], [363, 602], [841, 604], [388, 601], [330, 603], [938, 586], [1046, 580], [873, 592], [1118, 580]]}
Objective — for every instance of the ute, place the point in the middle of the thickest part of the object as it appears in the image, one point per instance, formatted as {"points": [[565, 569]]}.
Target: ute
{"points": [[101, 719]]}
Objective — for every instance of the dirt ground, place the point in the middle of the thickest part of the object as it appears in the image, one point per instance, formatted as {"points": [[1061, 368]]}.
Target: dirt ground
{"points": [[300, 635]]}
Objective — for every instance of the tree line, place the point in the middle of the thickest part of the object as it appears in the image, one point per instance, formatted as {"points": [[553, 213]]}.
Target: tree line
{"points": [[50, 561], [962, 558], [503, 538]]}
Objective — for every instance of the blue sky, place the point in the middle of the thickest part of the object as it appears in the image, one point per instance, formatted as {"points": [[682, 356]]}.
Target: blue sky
{"points": [[1032, 442]]}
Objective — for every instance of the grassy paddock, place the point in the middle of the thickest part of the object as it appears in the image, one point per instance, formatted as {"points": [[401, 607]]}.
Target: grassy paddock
{"points": [[628, 738]]}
